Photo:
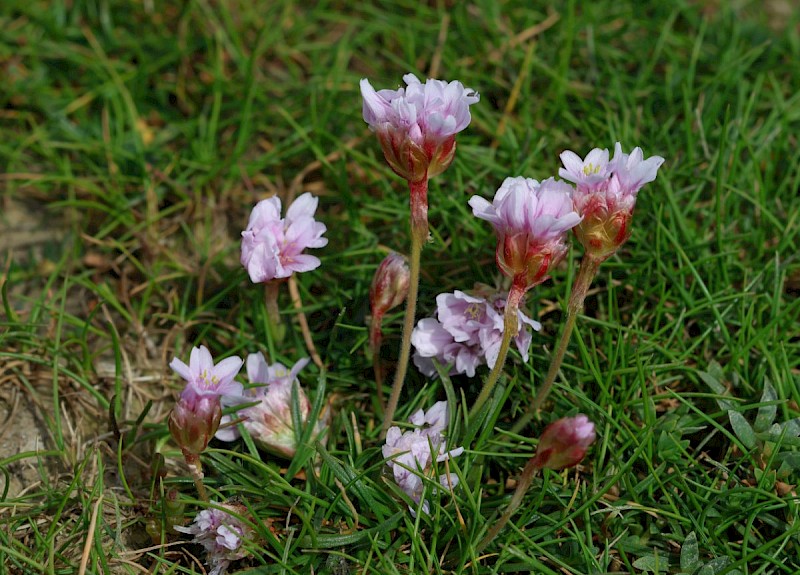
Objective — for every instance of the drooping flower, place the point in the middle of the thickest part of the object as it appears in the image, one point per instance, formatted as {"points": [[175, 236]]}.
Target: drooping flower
{"points": [[411, 454], [530, 220], [269, 422], [416, 125], [389, 288], [467, 332], [605, 194], [196, 416], [564, 442], [272, 247], [221, 534]]}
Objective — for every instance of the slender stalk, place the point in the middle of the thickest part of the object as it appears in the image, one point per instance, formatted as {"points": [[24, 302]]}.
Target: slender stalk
{"points": [[301, 317], [510, 325], [196, 469], [525, 480], [586, 274], [271, 289], [419, 235]]}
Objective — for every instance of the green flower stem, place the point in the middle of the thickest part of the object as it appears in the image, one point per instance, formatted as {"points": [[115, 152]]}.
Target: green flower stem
{"points": [[196, 469], [522, 487], [510, 325], [419, 235], [586, 274]]}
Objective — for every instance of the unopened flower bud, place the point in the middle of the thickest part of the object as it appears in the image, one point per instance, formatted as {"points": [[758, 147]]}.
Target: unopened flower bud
{"points": [[194, 421], [389, 289], [564, 442]]}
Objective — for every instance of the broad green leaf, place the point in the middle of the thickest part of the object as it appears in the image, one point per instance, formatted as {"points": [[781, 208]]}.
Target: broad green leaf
{"points": [[766, 413], [690, 553], [711, 379], [742, 429]]}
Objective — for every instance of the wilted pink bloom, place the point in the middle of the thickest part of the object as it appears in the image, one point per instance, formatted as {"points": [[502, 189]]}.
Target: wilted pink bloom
{"points": [[269, 422], [564, 442], [530, 220], [272, 246], [416, 125], [221, 534], [195, 418], [605, 194], [467, 332], [389, 288], [411, 454]]}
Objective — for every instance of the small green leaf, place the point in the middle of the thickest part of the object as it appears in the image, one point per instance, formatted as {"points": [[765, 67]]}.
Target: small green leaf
{"points": [[714, 566], [766, 413], [690, 553], [652, 563], [711, 379], [742, 429]]}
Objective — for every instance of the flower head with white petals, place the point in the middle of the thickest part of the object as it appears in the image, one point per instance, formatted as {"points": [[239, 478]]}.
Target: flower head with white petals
{"points": [[416, 125], [530, 220], [411, 455], [221, 534], [269, 422], [467, 332], [272, 247], [605, 194]]}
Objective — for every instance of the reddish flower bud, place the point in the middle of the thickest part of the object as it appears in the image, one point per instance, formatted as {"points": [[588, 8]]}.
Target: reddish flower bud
{"points": [[194, 421], [390, 284], [564, 442]]}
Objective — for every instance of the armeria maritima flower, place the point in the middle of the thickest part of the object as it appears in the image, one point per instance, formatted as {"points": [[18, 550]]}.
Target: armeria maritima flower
{"points": [[269, 422], [417, 125], [411, 454], [605, 194], [195, 418], [564, 442], [221, 534], [530, 220], [467, 332], [272, 247]]}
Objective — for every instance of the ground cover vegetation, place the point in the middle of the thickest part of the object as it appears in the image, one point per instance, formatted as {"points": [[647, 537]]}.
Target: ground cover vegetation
{"points": [[138, 137]]}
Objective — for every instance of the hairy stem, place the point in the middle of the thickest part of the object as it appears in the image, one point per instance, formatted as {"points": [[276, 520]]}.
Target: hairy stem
{"points": [[510, 325], [419, 235], [586, 274], [522, 487], [196, 469]]}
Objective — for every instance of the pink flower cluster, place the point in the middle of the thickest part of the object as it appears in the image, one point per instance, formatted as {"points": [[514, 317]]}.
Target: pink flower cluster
{"points": [[269, 422], [272, 246], [467, 332], [410, 455], [531, 221], [221, 534], [416, 125], [605, 194]]}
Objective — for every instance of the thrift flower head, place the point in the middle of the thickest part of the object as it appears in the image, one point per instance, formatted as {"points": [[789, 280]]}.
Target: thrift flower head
{"points": [[272, 246], [389, 288], [564, 442], [467, 332], [530, 220], [416, 125], [411, 454], [221, 535], [605, 194], [269, 422], [195, 418]]}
